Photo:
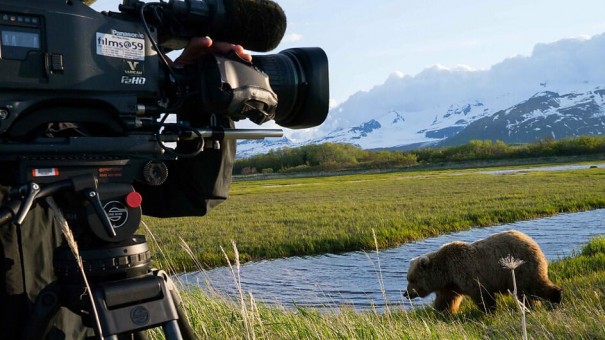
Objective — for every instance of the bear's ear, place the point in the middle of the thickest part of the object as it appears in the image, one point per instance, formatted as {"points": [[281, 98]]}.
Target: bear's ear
{"points": [[423, 261]]}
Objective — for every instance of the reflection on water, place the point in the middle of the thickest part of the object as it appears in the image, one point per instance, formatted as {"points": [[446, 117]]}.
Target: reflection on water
{"points": [[544, 168], [354, 278]]}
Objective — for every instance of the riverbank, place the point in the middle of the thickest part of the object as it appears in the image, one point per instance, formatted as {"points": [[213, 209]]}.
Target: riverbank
{"points": [[333, 214], [369, 280], [581, 314], [439, 165]]}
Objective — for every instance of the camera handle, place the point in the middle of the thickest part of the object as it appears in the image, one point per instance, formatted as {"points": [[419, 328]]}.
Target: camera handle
{"points": [[23, 197], [217, 133], [29, 192]]}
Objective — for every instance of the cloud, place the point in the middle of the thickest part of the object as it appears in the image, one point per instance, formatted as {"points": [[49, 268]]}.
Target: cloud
{"points": [[292, 37], [333, 103], [397, 74]]}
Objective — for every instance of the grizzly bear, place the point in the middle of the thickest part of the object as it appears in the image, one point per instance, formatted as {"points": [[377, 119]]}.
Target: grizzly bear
{"points": [[474, 269]]}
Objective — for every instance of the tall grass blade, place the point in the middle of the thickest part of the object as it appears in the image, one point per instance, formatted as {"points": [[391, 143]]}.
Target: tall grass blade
{"points": [[73, 246]]}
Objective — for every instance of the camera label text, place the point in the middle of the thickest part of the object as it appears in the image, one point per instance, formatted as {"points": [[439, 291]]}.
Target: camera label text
{"points": [[120, 46], [133, 80]]}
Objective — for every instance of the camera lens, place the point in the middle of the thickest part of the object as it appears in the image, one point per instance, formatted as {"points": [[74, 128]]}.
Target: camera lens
{"points": [[299, 77]]}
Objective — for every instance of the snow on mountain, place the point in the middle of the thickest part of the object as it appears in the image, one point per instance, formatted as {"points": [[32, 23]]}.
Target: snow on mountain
{"points": [[250, 147], [546, 114], [440, 102]]}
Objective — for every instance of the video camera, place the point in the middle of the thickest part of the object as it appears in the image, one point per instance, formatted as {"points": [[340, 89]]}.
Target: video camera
{"points": [[91, 107], [61, 60], [87, 92]]}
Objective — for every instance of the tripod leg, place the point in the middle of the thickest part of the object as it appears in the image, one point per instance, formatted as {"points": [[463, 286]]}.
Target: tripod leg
{"points": [[183, 320], [172, 330]]}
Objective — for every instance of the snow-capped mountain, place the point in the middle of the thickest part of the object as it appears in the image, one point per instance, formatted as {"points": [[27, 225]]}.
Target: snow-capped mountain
{"points": [[546, 114], [557, 91]]}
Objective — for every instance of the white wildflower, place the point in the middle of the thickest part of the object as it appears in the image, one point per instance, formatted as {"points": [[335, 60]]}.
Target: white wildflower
{"points": [[510, 262]]}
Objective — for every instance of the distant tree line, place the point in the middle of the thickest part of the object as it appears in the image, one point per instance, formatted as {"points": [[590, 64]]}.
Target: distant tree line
{"points": [[488, 150], [334, 156]]}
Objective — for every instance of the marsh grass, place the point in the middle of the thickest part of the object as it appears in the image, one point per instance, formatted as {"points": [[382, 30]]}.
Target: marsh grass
{"points": [[298, 216], [304, 216], [581, 314]]}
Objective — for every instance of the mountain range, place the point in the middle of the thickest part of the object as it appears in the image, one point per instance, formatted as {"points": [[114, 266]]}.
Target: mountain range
{"points": [[558, 91]]}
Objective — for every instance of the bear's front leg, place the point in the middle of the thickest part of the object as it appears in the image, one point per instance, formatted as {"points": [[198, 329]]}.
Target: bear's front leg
{"points": [[447, 300], [484, 299]]}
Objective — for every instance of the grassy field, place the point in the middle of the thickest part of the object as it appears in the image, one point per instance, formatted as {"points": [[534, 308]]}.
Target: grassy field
{"points": [[302, 216], [581, 315], [296, 216]]}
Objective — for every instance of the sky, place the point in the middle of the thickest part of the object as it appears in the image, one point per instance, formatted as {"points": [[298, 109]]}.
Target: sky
{"points": [[367, 41]]}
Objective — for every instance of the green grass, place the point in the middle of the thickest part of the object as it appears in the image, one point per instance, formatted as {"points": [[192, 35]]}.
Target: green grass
{"points": [[581, 314], [302, 216], [295, 216]]}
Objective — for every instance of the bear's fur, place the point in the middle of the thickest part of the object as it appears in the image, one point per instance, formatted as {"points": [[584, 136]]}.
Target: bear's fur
{"points": [[460, 269]]}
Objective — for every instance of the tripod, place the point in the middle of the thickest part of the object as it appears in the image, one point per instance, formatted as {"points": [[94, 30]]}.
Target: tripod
{"points": [[125, 297]]}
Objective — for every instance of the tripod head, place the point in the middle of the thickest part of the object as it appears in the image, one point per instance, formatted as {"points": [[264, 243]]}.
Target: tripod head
{"points": [[128, 296], [103, 219]]}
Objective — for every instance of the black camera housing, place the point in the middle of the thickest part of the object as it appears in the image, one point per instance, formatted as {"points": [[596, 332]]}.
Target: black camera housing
{"points": [[61, 61], [84, 93], [56, 65]]}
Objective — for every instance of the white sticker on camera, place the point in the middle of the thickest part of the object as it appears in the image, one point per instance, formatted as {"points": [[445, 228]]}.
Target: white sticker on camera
{"points": [[48, 172], [125, 45]]}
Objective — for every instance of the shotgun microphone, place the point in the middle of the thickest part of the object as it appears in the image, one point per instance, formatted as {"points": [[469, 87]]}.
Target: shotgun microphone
{"points": [[258, 25]]}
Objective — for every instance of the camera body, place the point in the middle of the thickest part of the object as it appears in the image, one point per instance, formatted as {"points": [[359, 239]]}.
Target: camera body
{"points": [[64, 62], [106, 75], [61, 61], [87, 95]]}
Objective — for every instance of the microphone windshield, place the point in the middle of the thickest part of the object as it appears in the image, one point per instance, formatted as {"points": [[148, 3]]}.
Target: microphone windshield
{"points": [[257, 25]]}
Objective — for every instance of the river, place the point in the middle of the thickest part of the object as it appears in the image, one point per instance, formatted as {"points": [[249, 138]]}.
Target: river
{"points": [[374, 280]]}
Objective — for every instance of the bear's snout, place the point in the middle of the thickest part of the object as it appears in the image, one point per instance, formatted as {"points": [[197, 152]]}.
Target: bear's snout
{"points": [[411, 293]]}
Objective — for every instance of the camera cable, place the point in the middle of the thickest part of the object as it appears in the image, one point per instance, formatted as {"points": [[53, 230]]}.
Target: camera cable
{"points": [[161, 54]]}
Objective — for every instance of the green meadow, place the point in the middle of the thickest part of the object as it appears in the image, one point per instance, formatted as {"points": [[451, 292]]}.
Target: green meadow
{"points": [[581, 314], [279, 217]]}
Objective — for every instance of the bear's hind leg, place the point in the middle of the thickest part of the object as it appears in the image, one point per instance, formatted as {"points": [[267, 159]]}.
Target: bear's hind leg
{"points": [[447, 300]]}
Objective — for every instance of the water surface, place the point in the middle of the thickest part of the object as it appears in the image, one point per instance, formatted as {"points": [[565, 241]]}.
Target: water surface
{"points": [[359, 278]]}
